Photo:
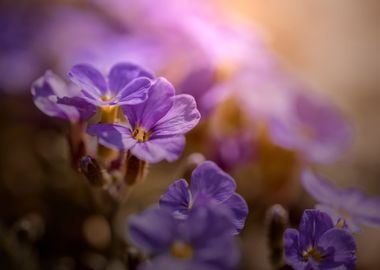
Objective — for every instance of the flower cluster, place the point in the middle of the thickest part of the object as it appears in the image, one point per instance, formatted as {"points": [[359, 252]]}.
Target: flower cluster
{"points": [[193, 229], [139, 114]]}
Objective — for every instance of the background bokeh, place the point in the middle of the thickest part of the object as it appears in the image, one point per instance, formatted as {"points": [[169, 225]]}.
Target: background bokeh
{"points": [[332, 46]]}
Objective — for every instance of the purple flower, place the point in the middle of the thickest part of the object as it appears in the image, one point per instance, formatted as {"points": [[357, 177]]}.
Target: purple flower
{"points": [[126, 84], [318, 245], [203, 241], [47, 92], [347, 207], [314, 128], [156, 128], [211, 187]]}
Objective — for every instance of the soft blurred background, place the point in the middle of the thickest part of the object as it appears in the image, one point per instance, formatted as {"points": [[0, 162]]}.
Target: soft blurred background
{"points": [[50, 216]]}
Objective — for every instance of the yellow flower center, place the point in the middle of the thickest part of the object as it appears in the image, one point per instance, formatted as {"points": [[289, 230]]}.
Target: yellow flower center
{"points": [[181, 251], [312, 252], [106, 98], [141, 134]]}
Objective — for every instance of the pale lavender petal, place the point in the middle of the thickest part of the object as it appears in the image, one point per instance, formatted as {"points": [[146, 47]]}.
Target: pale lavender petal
{"points": [[211, 181], [321, 189], [181, 118], [157, 149], [113, 136], [339, 249], [153, 231], [351, 224], [89, 79], [239, 210], [293, 252], [314, 128], [362, 209], [313, 224], [177, 198], [46, 91], [157, 105], [133, 93], [122, 74]]}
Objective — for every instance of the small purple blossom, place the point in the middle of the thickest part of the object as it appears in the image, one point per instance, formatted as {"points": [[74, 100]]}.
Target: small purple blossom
{"points": [[349, 206], [313, 127], [210, 187], [126, 84], [47, 92], [318, 245], [202, 241], [156, 128]]}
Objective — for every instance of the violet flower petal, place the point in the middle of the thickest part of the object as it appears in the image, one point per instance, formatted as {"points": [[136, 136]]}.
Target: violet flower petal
{"points": [[153, 230], [158, 104], [210, 233], [292, 249], [90, 80], [363, 209], [239, 210], [339, 249], [122, 74], [313, 224], [156, 149], [47, 94], [133, 93], [181, 118], [208, 179], [113, 136], [177, 198], [323, 191]]}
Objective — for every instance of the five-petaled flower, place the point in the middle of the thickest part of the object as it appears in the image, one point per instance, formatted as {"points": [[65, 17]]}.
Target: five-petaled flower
{"points": [[348, 208], [210, 187], [318, 245], [156, 128], [203, 241]]}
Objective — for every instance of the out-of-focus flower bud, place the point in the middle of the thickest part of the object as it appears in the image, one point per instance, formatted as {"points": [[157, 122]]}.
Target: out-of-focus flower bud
{"points": [[95, 174], [276, 222]]}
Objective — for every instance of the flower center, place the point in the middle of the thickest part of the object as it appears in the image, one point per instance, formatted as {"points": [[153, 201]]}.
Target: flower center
{"points": [[313, 253], [181, 250], [106, 98], [141, 134]]}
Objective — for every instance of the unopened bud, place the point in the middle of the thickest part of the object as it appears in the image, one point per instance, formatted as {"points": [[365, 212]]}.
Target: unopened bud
{"points": [[277, 221], [92, 170]]}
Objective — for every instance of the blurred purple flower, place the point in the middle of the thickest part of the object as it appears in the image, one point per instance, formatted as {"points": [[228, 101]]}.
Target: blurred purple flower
{"points": [[203, 241], [126, 84], [349, 207], [319, 245], [47, 92], [19, 62], [313, 127], [210, 187], [156, 128]]}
